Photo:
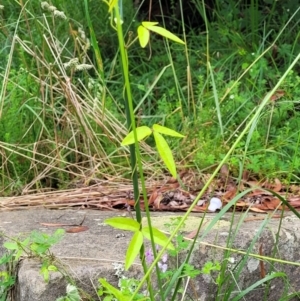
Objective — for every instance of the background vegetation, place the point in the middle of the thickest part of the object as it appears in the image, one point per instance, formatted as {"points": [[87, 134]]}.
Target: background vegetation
{"points": [[62, 110]]}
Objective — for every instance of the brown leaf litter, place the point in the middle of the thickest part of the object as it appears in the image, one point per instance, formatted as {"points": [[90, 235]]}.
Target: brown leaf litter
{"points": [[164, 195]]}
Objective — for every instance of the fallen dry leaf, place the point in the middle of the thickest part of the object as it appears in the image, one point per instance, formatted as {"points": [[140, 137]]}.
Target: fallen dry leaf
{"points": [[230, 193], [278, 185], [277, 95], [261, 217], [272, 203], [77, 229], [56, 225], [255, 209]]}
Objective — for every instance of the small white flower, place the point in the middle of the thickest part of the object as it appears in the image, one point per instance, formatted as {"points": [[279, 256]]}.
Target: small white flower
{"points": [[82, 67], [52, 8], [231, 96], [45, 5], [1, 7], [59, 14], [81, 33], [72, 63], [253, 53], [88, 44], [119, 269]]}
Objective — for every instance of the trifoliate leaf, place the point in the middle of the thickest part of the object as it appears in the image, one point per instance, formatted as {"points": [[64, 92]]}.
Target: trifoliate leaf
{"points": [[73, 293]]}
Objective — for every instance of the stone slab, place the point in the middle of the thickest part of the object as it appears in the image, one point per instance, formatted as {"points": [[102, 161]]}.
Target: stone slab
{"points": [[89, 255]]}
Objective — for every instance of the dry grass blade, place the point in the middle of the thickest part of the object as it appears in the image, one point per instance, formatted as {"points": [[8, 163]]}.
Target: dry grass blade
{"points": [[77, 137], [99, 196]]}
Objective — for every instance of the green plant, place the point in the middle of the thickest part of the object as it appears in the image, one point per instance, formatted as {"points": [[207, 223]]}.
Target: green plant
{"points": [[230, 90], [7, 276], [139, 133], [51, 136], [72, 294], [36, 245]]}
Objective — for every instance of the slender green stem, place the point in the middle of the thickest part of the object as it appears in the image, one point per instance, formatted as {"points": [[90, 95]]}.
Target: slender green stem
{"points": [[94, 41], [134, 148], [135, 155]]}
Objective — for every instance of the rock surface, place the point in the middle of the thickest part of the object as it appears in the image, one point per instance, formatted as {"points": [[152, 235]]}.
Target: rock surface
{"points": [[87, 256]]}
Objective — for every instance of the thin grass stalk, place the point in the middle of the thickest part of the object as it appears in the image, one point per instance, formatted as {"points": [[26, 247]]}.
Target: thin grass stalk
{"points": [[259, 283], [249, 250], [202, 11], [223, 161], [216, 97], [150, 89], [176, 82], [207, 41], [229, 241], [8, 65], [94, 41], [187, 259], [258, 58], [277, 236], [134, 149], [191, 98], [135, 157], [254, 21]]}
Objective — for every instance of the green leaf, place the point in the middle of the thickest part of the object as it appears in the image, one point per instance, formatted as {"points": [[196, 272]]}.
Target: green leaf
{"points": [[11, 245], [147, 23], [44, 271], [72, 293], [25, 242], [266, 279], [58, 234], [164, 130], [159, 237], [123, 223], [52, 268], [141, 132], [165, 153], [39, 248], [144, 35], [133, 249], [113, 290], [164, 32]]}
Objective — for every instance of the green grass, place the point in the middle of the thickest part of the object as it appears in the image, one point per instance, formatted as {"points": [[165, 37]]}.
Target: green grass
{"points": [[62, 120], [207, 91]]}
